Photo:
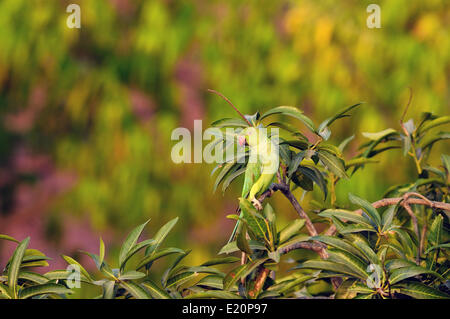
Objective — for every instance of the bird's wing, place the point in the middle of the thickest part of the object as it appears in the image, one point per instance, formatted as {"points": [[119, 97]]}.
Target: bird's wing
{"points": [[252, 174]]}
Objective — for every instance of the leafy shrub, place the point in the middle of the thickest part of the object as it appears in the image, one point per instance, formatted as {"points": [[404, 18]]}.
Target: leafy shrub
{"points": [[396, 247]]}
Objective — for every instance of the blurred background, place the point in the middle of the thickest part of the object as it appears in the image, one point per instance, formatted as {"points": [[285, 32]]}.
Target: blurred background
{"points": [[86, 114]]}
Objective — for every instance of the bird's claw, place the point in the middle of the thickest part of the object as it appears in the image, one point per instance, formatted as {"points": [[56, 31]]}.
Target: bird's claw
{"points": [[257, 204]]}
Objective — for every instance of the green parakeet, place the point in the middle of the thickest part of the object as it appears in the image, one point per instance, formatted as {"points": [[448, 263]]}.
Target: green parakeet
{"points": [[261, 168]]}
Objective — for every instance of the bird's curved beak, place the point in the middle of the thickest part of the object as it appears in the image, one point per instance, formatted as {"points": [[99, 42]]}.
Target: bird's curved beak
{"points": [[242, 141]]}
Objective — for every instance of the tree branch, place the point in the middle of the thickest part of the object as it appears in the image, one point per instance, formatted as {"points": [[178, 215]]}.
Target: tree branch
{"points": [[302, 245], [284, 188], [406, 199]]}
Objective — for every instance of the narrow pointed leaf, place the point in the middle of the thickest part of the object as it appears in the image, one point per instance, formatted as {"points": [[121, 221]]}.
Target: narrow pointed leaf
{"points": [[44, 289], [14, 267], [155, 291], [135, 290], [130, 242]]}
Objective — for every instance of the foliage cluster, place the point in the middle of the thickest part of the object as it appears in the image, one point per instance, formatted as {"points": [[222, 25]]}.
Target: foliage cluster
{"points": [[397, 247]]}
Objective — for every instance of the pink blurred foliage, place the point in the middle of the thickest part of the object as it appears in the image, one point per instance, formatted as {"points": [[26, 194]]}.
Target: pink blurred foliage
{"points": [[31, 199], [188, 75], [142, 105], [23, 120]]}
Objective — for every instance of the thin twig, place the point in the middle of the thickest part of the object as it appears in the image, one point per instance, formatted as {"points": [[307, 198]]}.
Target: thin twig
{"points": [[232, 105], [406, 108], [395, 201]]}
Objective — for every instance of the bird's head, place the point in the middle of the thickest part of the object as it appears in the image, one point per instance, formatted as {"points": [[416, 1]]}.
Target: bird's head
{"points": [[248, 136]]}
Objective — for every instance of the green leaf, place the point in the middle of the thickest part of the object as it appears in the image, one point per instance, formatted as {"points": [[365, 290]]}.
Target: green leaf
{"points": [[63, 274], [387, 217], [255, 223], [291, 229], [129, 243], [294, 283], [398, 263], [94, 257], [301, 145], [346, 215], [211, 281], [333, 163], [33, 277], [328, 265], [180, 279], [303, 181], [293, 240], [214, 294], [403, 273], [162, 253], [108, 272], [361, 289], [447, 245], [161, 235], [131, 275], [34, 258], [359, 162], [9, 238], [345, 142], [316, 176], [44, 289], [232, 247], [407, 243], [241, 272], [227, 168], [435, 232], [396, 249], [379, 135], [330, 148], [14, 267], [220, 261], [421, 291], [446, 162], [369, 255], [293, 112], [171, 269], [231, 177], [155, 291], [233, 276], [4, 292], [136, 248], [109, 289], [436, 122], [135, 290], [229, 122], [430, 140], [204, 270], [338, 115], [341, 244], [270, 216], [367, 207], [351, 261], [72, 261], [241, 239], [355, 228], [101, 253], [296, 162]]}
